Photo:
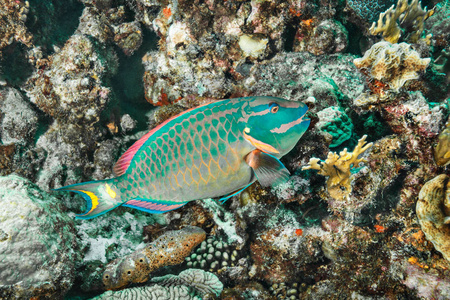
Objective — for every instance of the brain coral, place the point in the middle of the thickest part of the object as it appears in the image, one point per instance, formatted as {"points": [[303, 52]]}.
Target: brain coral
{"points": [[154, 292], [169, 249], [335, 121], [433, 212], [188, 285], [391, 64], [368, 9], [37, 243]]}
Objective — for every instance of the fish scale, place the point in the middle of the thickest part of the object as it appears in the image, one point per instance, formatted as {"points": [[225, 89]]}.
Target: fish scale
{"points": [[205, 152]]}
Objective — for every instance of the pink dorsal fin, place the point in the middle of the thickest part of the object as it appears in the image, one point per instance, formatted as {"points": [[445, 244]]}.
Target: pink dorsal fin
{"points": [[124, 161]]}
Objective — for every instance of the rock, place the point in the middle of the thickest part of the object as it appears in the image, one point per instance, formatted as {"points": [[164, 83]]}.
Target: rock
{"points": [[38, 246]]}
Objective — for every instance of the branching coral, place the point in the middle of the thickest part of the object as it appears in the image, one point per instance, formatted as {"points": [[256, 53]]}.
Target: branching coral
{"points": [[410, 16], [337, 168], [169, 249], [433, 212]]}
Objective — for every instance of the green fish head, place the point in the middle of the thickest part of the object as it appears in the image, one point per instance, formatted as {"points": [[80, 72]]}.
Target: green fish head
{"points": [[275, 125]]}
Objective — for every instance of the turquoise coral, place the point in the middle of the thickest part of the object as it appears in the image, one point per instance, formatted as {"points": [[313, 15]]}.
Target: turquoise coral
{"points": [[335, 121], [369, 9]]}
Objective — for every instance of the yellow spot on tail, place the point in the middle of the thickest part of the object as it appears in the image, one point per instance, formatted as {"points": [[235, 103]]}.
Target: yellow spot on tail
{"points": [[93, 197], [110, 191]]}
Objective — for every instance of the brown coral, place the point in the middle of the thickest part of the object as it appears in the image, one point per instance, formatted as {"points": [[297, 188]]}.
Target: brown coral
{"points": [[169, 249], [13, 14], [337, 168], [388, 67], [442, 149], [6, 153], [433, 212]]}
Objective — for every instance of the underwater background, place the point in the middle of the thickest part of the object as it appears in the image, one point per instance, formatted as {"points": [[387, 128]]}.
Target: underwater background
{"points": [[364, 214]]}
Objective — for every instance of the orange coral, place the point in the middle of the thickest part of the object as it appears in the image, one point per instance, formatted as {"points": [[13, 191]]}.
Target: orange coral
{"points": [[167, 12]]}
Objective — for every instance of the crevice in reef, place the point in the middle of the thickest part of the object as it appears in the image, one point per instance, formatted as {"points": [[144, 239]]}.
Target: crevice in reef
{"points": [[53, 22], [127, 83], [385, 200], [14, 67]]}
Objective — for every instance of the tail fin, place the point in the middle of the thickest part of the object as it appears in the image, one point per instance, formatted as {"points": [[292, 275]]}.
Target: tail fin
{"points": [[101, 197]]}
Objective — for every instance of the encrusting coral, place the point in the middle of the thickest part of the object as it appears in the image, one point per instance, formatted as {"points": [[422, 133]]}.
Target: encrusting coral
{"points": [[337, 168], [169, 249], [410, 17], [38, 243], [442, 149], [13, 16], [433, 212], [387, 68]]}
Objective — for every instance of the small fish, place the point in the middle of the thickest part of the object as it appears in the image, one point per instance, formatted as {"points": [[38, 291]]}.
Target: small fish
{"points": [[209, 151]]}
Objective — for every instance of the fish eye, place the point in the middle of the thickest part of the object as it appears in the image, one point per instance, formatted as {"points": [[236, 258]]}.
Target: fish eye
{"points": [[273, 107]]}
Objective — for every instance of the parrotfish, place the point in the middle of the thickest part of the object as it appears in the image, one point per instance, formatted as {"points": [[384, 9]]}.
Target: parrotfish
{"points": [[214, 150]]}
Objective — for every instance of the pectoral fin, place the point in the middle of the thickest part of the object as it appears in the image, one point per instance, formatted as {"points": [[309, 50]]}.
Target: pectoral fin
{"points": [[268, 169]]}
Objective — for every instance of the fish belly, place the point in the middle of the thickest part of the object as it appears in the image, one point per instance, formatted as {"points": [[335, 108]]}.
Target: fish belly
{"points": [[200, 157]]}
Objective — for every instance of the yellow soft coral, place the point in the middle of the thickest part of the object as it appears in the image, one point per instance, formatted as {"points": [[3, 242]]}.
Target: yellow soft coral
{"points": [[337, 167], [442, 149], [411, 18]]}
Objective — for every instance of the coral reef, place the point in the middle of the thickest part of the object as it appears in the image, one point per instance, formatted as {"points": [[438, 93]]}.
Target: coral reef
{"points": [[68, 110], [38, 245], [324, 38], [12, 26], [388, 67], [189, 284], [154, 292], [18, 121], [212, 255], [6, 159], [410, 16], [433, 212], [368, 10], [334, 121], [439, 24], [338, 169], [280, 254], [203, 282], [442, 149], [169, 249]]}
